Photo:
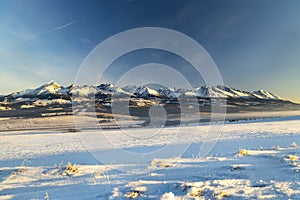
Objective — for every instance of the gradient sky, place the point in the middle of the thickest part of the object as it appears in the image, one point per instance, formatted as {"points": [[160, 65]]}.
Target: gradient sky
{"points": [[255, 43]]}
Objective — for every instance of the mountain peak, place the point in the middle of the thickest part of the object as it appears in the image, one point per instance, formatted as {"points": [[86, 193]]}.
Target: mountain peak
{"points": [[53, 83], [144, 91], [51, 87]]}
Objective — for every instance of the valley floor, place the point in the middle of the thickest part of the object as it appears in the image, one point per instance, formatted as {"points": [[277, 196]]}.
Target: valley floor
{"points": [[249, 160]]}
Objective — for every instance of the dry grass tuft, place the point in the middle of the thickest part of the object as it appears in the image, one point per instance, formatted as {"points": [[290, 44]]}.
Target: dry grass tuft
{"points": [[293, 157], [136, 192], [70, 169], [160, 163], [133, 194], [221, 195], [22, 168], [195, 192], [103, 173], [243, 152]]}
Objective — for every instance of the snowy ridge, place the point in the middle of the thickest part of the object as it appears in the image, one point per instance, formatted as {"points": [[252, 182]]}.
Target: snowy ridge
{"points": [[265, 95], [146, 92], [53, 90], [229, 92], [44, 90]]}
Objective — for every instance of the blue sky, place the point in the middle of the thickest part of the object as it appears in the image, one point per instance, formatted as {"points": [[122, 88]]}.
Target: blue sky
{"points": [[255, 44]]}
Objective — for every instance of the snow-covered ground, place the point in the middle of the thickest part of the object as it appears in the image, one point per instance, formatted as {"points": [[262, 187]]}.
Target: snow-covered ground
{"points": [[250, 160]]}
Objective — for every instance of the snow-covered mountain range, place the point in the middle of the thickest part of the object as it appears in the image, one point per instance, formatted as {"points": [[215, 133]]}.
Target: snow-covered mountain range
{"points": [[53, 90]]}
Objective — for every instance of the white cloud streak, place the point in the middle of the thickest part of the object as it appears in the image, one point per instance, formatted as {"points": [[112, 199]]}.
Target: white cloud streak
{"points": [[64, 26]]}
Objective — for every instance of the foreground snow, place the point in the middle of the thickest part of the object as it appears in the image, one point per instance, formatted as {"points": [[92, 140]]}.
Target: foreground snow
{"points": [[253, 160]]}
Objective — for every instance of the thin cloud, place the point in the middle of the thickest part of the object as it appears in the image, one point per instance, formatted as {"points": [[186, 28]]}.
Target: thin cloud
{"points": [[64, 26], [56, 28], [86, 41]]}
